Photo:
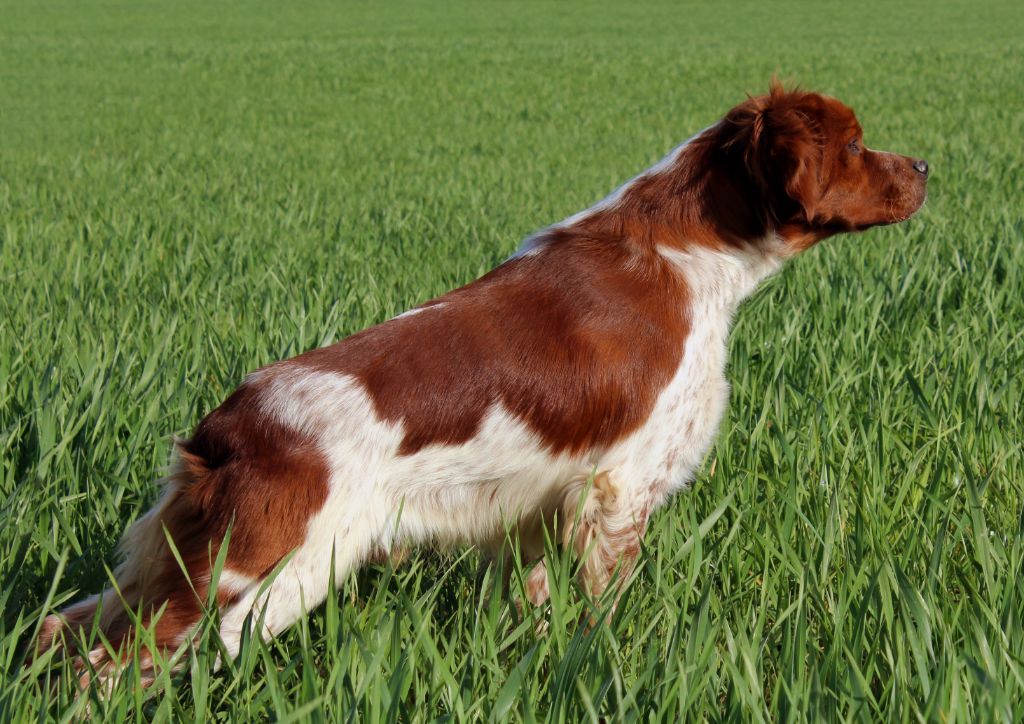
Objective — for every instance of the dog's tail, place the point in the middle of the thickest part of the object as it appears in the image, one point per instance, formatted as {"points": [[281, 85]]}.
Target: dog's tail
{"points": [[153, 584]]}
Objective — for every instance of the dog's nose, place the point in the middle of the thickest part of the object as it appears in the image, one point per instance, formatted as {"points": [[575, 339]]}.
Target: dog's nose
{"points": [[921, 166]]}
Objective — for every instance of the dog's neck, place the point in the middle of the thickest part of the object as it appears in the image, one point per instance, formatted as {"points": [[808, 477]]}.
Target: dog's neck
{"points": [[694, 198]]}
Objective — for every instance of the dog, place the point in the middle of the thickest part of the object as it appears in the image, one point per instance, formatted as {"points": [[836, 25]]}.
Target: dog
{"points": [[576, 386]]}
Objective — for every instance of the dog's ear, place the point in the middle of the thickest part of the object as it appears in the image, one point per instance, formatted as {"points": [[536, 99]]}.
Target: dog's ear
{"points": [[782, 150]]}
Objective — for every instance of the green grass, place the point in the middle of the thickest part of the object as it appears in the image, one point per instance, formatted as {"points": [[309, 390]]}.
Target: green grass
{"points": [[190, 191]]}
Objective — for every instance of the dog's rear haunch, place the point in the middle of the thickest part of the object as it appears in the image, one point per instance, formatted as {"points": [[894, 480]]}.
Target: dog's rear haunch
{"points": [[598, 348]]}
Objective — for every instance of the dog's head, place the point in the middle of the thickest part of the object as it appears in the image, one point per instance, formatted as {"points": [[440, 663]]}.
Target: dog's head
{"points": [[805, 154]]}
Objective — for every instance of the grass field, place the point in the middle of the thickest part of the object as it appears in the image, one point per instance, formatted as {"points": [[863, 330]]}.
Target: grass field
{"points": [[189, 191]]}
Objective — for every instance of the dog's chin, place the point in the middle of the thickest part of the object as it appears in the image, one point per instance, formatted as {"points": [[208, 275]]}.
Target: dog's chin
{"points": [[916, 204], [800, 237], [900, 218], [897, 212]]}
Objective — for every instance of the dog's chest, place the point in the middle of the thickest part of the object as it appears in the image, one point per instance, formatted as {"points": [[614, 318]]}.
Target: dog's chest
{"points": [[672, 443], [670, 446]]}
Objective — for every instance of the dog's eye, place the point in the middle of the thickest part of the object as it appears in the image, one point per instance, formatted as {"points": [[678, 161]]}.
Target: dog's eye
{"points": [[853, 146]]}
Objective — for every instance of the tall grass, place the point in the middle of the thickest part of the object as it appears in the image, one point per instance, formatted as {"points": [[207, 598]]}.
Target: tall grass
{"points": [[188, 192]]}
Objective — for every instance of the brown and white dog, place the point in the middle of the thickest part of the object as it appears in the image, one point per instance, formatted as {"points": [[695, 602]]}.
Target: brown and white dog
{"points": [[597, 352]]}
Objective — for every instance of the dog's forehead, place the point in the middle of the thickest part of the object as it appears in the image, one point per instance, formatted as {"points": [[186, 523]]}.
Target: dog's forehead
{"points": [[839, 117]]}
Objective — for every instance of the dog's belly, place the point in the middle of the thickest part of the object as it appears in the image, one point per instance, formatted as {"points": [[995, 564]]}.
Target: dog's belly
{"points": [[476, 491]]}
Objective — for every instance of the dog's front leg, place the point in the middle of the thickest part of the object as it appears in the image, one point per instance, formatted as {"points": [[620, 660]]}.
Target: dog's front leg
{"points": [[604, 530], [607, 533]]}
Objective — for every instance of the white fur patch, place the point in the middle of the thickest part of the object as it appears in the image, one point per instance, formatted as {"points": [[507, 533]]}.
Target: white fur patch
{"points": [[234, 582], [418, 310]]}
